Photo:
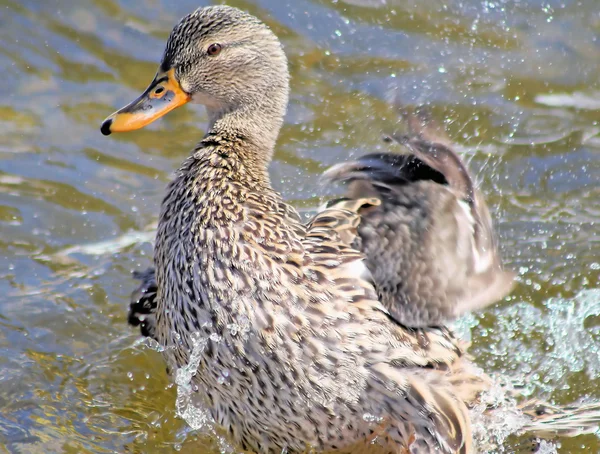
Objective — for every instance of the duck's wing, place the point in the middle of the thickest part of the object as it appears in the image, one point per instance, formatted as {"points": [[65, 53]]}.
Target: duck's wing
{"points": [[408, 369], [429, 244]]}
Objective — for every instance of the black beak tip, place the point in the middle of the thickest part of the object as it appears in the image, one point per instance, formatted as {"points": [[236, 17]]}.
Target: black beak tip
{"points": [[105, 128]]}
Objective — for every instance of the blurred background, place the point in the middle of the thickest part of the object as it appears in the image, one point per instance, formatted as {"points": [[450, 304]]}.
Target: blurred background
{"points": [[516, 83]]}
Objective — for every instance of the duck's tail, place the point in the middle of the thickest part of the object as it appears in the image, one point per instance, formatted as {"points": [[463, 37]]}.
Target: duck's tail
{"points": [[533, 425], [548, 421]]}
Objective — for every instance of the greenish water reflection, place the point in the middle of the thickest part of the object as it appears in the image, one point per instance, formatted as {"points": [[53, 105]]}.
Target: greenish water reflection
{"points": [[516, 82]]}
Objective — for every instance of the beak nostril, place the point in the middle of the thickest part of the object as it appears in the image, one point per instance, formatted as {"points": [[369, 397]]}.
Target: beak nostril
{"points": [[159, 90]]}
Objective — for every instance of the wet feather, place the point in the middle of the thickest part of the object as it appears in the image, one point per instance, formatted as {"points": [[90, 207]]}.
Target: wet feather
{"points": [[340, 342]]}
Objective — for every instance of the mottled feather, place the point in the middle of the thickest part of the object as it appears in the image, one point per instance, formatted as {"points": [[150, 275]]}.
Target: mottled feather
{"points": [[331, 332]]}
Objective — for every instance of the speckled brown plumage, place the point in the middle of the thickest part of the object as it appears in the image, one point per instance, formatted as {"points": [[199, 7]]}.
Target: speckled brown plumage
{"points": [[320, 351], [315, 336]]}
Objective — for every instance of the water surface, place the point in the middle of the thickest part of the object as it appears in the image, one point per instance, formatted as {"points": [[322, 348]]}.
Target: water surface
{"points": [[516, 83]]}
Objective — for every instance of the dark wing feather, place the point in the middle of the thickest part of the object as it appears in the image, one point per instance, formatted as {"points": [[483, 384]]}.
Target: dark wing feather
{"points": [[430, 244], [142, 306]]}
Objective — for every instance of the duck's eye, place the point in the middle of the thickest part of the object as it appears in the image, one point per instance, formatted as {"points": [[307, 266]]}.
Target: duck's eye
{"points": [[214, 49]]}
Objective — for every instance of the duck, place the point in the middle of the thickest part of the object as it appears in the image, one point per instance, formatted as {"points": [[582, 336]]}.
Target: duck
{"points": [[333, 332]]}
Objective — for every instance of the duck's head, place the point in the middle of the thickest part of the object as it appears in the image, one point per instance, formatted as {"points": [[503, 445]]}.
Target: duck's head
{"points": [[221, 57]]}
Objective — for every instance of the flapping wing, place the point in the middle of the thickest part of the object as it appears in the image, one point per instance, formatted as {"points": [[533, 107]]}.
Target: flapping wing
{"points": [[430, 245]]}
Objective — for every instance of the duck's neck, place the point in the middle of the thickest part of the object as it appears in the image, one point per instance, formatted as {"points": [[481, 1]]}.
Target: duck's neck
{"points": [[256, 124], [218, 187], [230, 163]]}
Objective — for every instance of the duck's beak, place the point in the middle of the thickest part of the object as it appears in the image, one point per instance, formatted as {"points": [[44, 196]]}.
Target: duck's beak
{"points": [[163, 95]]}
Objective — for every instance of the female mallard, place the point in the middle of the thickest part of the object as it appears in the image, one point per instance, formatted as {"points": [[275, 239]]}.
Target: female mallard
{"points": [[331, 332]]}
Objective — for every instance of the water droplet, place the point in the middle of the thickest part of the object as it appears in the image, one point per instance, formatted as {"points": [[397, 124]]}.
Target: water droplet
{"points": [[233, 328], [224, 377], [368, 417]]}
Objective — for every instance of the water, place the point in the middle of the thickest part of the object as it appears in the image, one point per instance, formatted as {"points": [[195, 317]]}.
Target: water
{"points": [[515, 81]]}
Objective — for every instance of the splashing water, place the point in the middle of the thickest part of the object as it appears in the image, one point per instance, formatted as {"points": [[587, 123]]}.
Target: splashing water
{"points": [[188, 408], [149, 343], [563, 328], [546, 447], [570, 336], [492, 428], [566, 329], [193, 415]]}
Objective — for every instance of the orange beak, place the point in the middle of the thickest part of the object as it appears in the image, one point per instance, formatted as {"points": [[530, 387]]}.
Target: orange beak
{"points": [[162, 96]]}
